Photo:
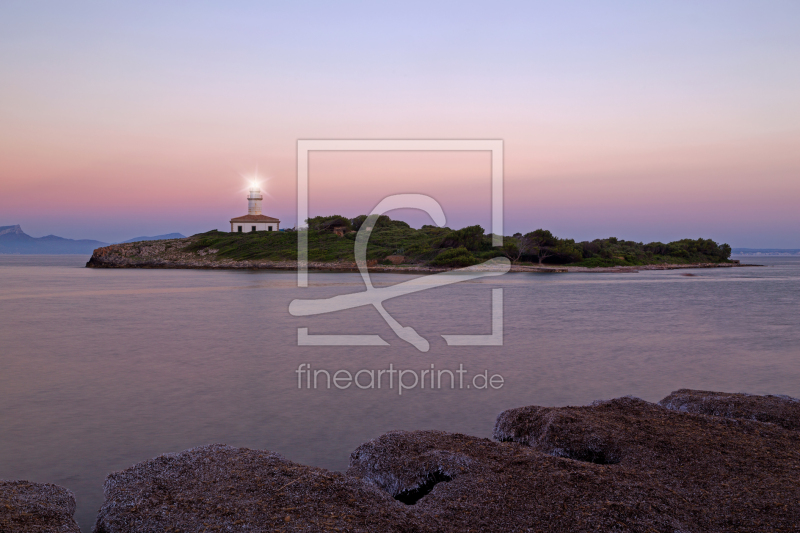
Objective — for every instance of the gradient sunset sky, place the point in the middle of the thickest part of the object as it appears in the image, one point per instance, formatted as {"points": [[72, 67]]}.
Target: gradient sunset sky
{"points": [[643, 120]]}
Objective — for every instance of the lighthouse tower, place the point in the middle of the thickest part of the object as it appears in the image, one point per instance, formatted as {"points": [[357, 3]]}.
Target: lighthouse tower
{"points": [[254, 201], [254, 220]]}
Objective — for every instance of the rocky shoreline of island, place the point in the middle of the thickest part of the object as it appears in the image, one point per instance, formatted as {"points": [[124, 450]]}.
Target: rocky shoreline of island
{"points": [[695, 461], [179, 254]]}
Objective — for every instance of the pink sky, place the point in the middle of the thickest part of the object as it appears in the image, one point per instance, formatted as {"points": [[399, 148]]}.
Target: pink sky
{"points": [[648, 123]]}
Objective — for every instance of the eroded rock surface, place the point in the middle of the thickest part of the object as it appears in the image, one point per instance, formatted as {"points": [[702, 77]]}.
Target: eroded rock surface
{"points": [[36, 508], [780, 410], [497, 486], [715, 474], [222, 488]]}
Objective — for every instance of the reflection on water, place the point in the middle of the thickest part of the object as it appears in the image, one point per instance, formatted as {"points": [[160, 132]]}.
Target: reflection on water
{"points": [[105, 368]]}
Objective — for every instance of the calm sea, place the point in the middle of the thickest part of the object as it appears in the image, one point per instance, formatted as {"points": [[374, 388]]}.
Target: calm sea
{"points": [[100, 369]]}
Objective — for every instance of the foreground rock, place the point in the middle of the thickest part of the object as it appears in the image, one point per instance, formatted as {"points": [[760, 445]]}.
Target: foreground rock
{"points": [[619, 465], [221, 488], [779, 410], [36, 508], [710, 473]]}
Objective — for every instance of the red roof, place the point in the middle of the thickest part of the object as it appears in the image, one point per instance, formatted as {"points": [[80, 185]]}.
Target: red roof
{"points": [[254, 218]]}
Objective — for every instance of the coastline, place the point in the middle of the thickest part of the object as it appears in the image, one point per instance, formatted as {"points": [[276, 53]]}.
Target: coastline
{"points": [[172, 254]]}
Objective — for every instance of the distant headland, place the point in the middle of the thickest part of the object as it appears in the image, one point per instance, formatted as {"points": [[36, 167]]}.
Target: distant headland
{"points": [[771, 252], [15, 241]]}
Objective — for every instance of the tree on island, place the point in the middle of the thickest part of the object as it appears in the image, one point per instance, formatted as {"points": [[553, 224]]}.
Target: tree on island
{"points": [[515, 247], [471, 238], [542, 244]]}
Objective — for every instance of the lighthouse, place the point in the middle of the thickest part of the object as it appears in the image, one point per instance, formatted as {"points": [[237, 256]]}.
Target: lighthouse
{"points": [[254, 201], [254, 220]]}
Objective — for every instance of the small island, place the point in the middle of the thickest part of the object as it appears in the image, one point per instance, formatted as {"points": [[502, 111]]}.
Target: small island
{"points": [[394, 246]]}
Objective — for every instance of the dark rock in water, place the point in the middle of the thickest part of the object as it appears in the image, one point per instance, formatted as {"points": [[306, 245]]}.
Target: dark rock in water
{"points": [[780, 410], [36, 508], [618, 465], [712, 474], [221, 488]]}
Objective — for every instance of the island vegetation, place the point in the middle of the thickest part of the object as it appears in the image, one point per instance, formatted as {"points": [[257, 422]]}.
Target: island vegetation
{"points": [[331, 239]]}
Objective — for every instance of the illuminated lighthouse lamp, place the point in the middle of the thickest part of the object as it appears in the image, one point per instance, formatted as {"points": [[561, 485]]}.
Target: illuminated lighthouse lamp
{"points": [[254, 220]]}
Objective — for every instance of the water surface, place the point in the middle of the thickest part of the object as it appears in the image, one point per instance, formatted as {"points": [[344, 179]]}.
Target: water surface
{"points": [[100, 369]]}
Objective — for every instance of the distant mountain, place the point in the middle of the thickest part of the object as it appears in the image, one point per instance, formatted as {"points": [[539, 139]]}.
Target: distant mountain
{"points": [[765, 251], [156, 238], [15, 241]]}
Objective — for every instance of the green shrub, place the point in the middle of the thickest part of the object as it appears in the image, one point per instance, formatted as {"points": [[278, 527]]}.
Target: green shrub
{"points": [[328, 223], [455, 258], [470, 238], [490, 254], [383, 221]]}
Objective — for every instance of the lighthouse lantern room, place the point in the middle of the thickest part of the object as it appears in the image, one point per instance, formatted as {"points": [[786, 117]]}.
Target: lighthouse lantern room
{"points": [[254, 220]]}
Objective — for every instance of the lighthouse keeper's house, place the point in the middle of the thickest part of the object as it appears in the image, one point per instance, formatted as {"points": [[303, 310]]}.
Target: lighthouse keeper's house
{"points": [[254, 220]]}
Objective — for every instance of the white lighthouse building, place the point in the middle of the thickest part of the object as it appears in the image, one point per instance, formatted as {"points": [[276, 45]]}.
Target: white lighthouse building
{"points": [[254, 220]]}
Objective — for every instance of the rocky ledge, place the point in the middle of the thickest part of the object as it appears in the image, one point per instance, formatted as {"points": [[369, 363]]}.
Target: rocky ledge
{"points": [[698, 461], [36, 508]]}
